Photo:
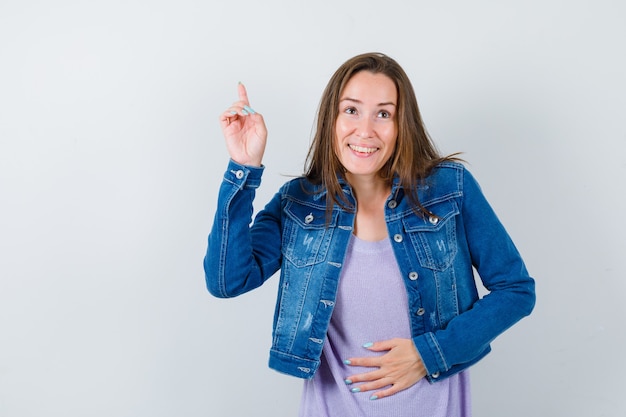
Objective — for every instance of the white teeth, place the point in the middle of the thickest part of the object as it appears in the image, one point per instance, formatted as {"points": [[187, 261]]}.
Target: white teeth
{"points": [[362, 149]]}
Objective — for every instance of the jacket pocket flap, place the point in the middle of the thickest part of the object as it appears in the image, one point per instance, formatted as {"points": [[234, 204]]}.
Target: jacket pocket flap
{"points": [[443, 211]]}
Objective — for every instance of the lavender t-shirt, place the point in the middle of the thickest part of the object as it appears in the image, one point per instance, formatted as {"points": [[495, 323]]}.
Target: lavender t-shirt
{"points": [[372, 306]]}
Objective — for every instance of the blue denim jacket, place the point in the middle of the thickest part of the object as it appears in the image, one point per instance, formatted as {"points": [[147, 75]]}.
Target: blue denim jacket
{"points": [[451, 326]]}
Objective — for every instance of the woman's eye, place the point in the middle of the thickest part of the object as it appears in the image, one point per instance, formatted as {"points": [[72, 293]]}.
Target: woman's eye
{"points": [[350, 110], [384, 114]]}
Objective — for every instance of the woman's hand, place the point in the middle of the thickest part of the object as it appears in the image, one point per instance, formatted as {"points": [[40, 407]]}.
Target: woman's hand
{"points": [[244, 131], [398, 369]]}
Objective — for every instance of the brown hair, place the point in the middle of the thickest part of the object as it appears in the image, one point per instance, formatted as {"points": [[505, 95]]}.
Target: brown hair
{"points": [[415, 154]]}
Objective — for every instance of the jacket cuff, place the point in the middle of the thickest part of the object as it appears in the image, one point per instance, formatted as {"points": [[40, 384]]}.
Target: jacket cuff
{"points": [[243, 175], [432, 356]]}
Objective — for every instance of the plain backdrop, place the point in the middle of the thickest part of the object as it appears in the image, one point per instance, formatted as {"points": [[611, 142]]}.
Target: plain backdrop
{"points": [[111, 156]]}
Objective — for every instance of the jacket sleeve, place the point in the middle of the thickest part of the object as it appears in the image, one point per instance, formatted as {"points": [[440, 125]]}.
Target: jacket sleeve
{"points": [[241, 257], [511, 291]]}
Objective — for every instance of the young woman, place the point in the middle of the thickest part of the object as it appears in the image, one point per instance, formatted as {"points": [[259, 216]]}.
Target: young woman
{"points": [[377, 306]]}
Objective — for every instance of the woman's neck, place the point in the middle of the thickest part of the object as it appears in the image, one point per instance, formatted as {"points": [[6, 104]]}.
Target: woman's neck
{"points": [[367, 188], [371, 195]]}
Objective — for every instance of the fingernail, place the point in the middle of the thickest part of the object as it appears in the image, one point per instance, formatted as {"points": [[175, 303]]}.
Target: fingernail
{"points": [[347, 362], [347, 381], [233, 112], [374, 397], [356, 389], [244, 112], [368, 345], [249, 109]]}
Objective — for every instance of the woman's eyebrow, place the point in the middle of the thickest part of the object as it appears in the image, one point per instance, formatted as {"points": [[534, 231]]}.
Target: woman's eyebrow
{"points": [[354, 100]]}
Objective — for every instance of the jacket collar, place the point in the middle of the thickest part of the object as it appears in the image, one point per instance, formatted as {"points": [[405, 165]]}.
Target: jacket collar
{"points": [[396, 189]]}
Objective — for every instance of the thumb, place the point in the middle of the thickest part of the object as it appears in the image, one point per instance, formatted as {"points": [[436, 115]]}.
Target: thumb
{"points": [[380, 346]]}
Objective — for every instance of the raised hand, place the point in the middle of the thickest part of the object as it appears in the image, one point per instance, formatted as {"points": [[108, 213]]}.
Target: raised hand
{"points": [[398, 369], [244, 131]]}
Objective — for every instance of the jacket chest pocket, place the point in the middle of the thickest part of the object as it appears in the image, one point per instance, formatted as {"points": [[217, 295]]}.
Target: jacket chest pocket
{"points": [[306, 238], [434, 237]]}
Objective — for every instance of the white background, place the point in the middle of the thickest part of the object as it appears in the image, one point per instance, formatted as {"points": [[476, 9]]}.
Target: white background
{"points": [[111, 156]]}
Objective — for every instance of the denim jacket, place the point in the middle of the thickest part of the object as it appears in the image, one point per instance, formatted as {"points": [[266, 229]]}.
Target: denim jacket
{"points": [[451, 326]]}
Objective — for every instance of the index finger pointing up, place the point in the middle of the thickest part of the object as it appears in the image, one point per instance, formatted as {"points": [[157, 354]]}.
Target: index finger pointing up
{"points": [[243, 95]]}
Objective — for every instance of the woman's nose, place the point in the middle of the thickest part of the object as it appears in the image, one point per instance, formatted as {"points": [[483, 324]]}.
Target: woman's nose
{"points": [[365, 128]]}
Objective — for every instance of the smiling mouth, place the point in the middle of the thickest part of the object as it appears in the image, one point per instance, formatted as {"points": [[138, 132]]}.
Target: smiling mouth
{"points": [[362, 149]]}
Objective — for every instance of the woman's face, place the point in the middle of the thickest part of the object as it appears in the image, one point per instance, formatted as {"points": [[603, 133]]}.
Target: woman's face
{"points": [[366, 128]]}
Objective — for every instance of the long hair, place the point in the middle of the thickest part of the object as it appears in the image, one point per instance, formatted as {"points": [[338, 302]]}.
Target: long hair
{"points": [[415, 154]]}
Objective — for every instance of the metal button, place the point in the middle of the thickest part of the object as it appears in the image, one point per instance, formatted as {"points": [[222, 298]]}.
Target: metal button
{"points": [[392, 204], [397, 237], [239, 174], [309, 218], [435, 375], [433, 220], [413, 276], [420, 311]]}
